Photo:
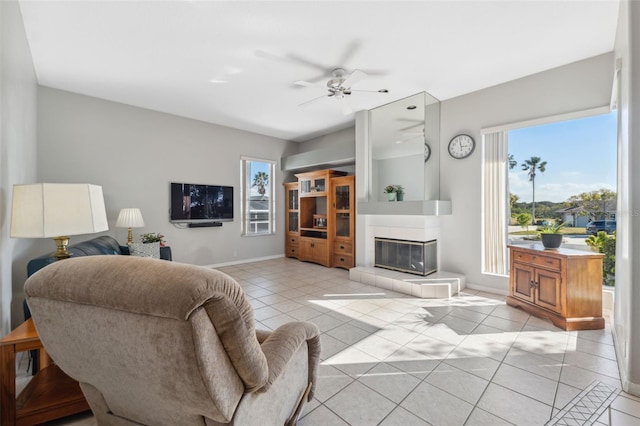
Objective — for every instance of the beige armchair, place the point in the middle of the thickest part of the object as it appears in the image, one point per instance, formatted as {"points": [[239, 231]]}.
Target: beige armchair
{"points": [[162, 343]]}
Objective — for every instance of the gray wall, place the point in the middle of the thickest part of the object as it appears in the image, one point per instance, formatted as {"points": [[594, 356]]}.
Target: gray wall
{"points": [[339, 137], [135, 153], [627, 297], [574, 87], [18, 95]]}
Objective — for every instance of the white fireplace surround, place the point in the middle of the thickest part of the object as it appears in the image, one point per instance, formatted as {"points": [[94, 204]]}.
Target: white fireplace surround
{"points": [[402, 227]]}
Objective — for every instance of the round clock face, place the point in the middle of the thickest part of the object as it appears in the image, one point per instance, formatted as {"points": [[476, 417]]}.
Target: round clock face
{"points": [[461, 146], [427, 152]]}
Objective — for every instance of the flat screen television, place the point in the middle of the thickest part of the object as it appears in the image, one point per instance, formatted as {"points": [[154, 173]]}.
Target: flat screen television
{"points": [[194, 203]]}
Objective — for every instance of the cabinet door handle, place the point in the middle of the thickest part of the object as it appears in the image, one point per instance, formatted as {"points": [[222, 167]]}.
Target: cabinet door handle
{"points": [[531, 284]]}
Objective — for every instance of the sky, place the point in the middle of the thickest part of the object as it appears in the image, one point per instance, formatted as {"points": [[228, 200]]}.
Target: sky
{"points": [[258, 166], [581, 156]]}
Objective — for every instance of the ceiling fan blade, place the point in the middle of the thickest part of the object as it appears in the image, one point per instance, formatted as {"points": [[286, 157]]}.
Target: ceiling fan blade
{"points": [[309, 84], [351, 49], [353, 78], [374, 71], [369, 91], [314, 100]]}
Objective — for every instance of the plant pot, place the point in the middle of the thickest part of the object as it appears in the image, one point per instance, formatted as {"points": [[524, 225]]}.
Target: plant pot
{"points": [[391, 196], [399, 196], [551, 241]]}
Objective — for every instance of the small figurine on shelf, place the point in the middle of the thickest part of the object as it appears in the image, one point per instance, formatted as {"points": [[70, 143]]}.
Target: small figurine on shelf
{"points": [[150, 237], [399, 193]]}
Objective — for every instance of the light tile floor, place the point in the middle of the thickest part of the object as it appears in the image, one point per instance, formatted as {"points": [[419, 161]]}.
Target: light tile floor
{"points": [[391, 359]]}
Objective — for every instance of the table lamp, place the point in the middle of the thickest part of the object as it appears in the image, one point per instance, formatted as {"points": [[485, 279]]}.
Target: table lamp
{"points": [[130, 218], [57, 210]]}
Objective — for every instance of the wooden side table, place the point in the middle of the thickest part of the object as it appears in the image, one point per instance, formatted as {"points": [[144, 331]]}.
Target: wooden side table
{"points": [[50, 394]]}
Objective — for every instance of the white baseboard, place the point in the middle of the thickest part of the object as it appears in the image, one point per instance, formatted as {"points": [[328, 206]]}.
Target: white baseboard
{"points": [[241, 261], [488, 289]]}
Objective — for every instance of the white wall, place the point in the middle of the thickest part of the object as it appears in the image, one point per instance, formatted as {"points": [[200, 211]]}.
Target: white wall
{"points": [[135, 153], [18, 91], [627, 298], [574, 87]]}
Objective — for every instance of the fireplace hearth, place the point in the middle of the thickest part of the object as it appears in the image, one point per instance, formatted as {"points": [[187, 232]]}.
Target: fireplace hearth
{"points": [[414, 257]]}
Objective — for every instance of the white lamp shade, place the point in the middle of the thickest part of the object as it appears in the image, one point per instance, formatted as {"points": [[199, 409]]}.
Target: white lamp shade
{"points": [[130, 218], [48, 210]]}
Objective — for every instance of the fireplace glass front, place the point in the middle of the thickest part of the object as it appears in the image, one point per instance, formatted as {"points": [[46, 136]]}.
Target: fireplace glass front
{"points": [[414, 257]]}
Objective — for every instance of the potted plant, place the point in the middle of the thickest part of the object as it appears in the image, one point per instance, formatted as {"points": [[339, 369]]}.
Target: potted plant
{"points": [[399, 193], [390, 190], [550, 234], [151, 237]]}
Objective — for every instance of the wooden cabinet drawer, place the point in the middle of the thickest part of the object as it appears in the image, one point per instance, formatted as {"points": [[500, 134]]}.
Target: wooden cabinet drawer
{"points": [[537, 260], [292, 251], [342, 261], [292, 240], [345, 247]]}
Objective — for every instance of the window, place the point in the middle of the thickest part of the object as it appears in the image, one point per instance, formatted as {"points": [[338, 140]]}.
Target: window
{"points": [[258, 196], [555, 170]]}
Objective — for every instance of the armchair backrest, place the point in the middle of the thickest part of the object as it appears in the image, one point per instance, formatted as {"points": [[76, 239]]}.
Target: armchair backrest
{"points": [[150, 341]]}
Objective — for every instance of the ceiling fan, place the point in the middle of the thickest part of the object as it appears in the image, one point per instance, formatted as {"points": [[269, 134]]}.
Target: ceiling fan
{"points": [[339, 87]]}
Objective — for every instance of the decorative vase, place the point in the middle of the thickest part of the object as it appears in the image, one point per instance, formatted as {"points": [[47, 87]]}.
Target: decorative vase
{"points": [[391, 196], [551, 241], [399, 196]]}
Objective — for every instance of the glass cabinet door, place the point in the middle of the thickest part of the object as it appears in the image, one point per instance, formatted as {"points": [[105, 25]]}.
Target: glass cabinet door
{"points": [[293, 222], [293, 199], [305, 186], [342, 196]]}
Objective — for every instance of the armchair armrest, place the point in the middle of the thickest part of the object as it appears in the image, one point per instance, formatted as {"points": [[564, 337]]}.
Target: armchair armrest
{"points": [[284, 342], [262, 335]]}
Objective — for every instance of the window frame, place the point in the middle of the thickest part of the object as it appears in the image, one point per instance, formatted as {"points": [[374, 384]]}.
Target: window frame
{"points": [[245, 195], [505, 128]]}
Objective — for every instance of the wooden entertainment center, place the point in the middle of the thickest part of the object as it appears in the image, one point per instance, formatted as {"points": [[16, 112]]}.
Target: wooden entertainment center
{"points": [[320, 218], [562, 285]]}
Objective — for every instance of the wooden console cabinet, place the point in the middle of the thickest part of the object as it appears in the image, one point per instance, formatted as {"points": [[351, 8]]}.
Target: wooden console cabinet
{"points": [[320, 218], [564, 286]]}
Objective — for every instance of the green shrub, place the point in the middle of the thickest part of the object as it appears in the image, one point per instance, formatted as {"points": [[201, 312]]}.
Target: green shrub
{"points": [[524, 219], [606, 244]]}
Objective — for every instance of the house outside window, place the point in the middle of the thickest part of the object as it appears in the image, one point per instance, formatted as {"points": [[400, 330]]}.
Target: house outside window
{"points": [[258, 196]]}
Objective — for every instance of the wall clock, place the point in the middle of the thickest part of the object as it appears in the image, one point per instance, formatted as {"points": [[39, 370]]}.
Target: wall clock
{"points": [[461, 146], [427, 152]]}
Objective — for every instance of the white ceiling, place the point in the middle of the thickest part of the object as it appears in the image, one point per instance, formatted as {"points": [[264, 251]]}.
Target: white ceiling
{"points": [[163, 55]]}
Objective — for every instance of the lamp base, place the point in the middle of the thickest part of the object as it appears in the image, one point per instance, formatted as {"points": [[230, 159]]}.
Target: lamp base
{"points": [[61, 252], [129, 237]]}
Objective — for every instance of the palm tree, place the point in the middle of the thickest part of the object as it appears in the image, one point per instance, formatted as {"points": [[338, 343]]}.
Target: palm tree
{"points": [[261, 180], [512, 162], [531, 166]]}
